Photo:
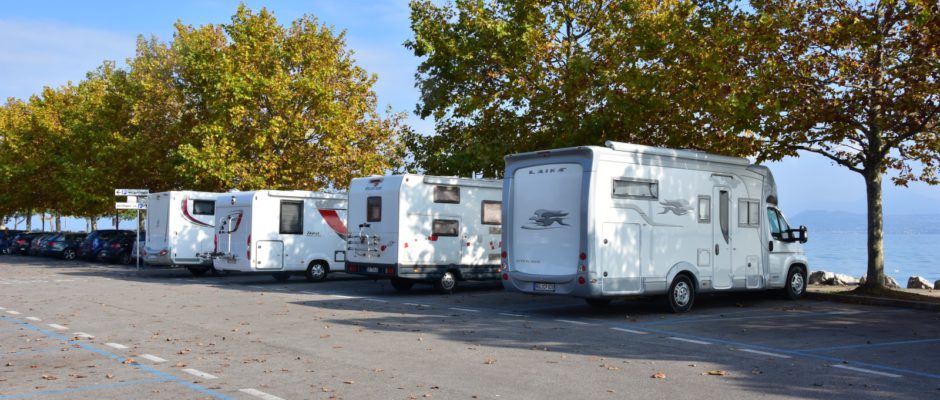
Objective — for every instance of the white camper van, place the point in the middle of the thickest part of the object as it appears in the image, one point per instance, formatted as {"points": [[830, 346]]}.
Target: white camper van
{"points": [[630, 220], [281, 233], [180, 226], [413, 228]]}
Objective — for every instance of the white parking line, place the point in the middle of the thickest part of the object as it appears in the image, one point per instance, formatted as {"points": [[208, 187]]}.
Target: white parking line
{"points": [[1, 308], [630, 331], [153, 358], [764, 353], [33, 319], [568, 321], [259, 394], [199, 373], [11, 312], [340, 296], [59, 327], [83, 335], [844, 312], [512, 315], [464, 309], [309, 292], [116, 345], [417, 305], [867, 371], [374, 300], [689, 340]]}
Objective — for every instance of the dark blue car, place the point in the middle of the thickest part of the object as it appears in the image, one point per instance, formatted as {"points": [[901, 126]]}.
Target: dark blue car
{"points": [[96, 240], [6, 240]]}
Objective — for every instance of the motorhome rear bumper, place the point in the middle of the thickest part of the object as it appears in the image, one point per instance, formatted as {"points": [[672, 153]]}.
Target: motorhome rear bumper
{"points": [[559, 284], [422, 272]]}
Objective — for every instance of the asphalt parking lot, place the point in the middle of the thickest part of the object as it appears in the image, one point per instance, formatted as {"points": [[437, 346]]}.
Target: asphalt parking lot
{"points": [[80, 330]]}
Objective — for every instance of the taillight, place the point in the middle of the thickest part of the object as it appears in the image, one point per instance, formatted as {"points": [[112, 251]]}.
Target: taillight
{"points": [[505, 276], [115, 245], [583, 256], [163, 252], [248, 253], [390, 270], [581, 280], [503, 254], [352, 267]]}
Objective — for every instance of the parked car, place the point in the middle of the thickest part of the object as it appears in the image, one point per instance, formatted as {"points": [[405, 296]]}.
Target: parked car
{"points": [[36, 245], [21, 242], [95, 242], [6, 240], [119, 248], [64, 245]]}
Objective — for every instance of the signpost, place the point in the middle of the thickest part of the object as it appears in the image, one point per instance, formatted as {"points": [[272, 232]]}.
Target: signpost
{"points": [[132, 204]]}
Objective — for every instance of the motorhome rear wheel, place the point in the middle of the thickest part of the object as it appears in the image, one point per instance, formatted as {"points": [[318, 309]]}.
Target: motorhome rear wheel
{"points": [[317, 271], [446, 283], [681, 294]]}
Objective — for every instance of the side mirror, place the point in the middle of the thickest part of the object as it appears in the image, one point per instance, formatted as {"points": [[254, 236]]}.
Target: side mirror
{"points": [[803, 234]]}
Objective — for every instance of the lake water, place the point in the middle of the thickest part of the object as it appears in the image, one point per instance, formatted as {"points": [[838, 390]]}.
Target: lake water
{"points": [[906, 255]]}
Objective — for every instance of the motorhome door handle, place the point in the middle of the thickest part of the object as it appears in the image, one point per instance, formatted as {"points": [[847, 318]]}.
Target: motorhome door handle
{"points": [[605, 241], [716, 249]]}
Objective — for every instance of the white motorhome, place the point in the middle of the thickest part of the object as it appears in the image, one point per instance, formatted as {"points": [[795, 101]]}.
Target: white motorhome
{"points": [[431, 229], [180, 225], [629, 220], [281, 233]]}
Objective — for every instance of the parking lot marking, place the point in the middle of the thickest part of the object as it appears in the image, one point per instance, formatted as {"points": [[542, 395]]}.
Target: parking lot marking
{"points": [[259, 394], [11, 312], [116, 346], [629, 331], [568, 321], [844, 312], [342, 296], [200, 374], [83, 335], [464, 309], [689, 340], [153, 358], [1, 308], [33, 319], [765, 353], [80, 389], [59, 327], [867, 371], [376, 300], [512, 315], [866, 345]]}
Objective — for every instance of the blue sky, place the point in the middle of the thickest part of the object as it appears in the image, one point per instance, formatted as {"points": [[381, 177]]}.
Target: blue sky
{"points": [[47, 43]]}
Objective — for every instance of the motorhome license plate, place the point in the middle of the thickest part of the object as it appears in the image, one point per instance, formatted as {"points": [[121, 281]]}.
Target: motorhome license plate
{"points": [[544, 287], [373, 270]]}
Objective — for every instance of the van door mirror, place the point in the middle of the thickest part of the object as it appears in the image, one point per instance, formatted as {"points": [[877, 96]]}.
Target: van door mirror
{"points": [[804, 236]]}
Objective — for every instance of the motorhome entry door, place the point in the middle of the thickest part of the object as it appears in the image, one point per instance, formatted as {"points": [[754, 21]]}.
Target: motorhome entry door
{"points": [[270, 254], [721, 238]]}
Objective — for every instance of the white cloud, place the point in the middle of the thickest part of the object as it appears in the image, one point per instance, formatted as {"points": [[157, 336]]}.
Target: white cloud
{"points": [[34, 54]]}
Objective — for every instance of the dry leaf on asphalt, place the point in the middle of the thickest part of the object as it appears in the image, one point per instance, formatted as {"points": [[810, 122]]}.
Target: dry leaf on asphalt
{"points": [[659, 375], [489, 361], [718, 372]]}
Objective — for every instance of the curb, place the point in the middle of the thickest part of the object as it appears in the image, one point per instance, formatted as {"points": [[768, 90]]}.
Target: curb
{"points": [[873, 301]]}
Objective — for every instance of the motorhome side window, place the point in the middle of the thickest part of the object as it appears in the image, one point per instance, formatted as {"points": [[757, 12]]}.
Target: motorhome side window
{"points": [[203, 207], [292, 222], [374, 209], [705, 209], [636, 189], [492, 212], [724, 214], [447, 194], [445, 227], [748, 213]]}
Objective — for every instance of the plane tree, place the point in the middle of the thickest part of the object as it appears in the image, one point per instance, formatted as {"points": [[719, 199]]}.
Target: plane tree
{"points": [[857, 82]]}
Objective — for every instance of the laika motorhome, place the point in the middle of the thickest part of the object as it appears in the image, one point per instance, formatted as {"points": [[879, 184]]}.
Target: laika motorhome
{"points": [[281, 233], [180, 225], [629, 220], [413, 228]]}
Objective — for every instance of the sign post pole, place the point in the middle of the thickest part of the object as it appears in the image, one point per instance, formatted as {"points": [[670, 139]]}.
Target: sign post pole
{"points": [[133, 204]]}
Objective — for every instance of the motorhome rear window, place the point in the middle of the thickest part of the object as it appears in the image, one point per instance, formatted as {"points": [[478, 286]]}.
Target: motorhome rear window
{"points": [[374, 209], [292, 221], [749, 213], [445, 227], [636, 189], [203, 207], [492, 212], [447, 194]]}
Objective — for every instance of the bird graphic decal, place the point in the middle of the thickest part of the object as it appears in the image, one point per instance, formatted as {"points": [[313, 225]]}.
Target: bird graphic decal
{"points": [[544, 219], [678, 207]]}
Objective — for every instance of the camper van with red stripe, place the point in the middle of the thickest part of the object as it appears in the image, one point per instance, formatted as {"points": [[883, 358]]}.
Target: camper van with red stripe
{"points": [[424, 229], [281, 233]]}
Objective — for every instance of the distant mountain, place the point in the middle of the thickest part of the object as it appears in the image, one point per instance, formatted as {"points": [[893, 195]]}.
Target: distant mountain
{"points": [[838, 221]]}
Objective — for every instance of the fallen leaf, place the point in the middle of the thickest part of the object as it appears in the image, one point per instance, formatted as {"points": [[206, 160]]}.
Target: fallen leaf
{"points": [[109, 376], [718, 372], [349, 382], [489, 361], [49, 377], [659, 375], [128, 361]]}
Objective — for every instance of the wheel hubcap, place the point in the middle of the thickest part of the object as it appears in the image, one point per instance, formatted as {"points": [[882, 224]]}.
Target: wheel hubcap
{"points": [[317, 271], [681, 294], [796, 283], [447, 282]]}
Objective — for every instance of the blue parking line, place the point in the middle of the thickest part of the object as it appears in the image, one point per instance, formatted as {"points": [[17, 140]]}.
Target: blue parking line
{"points": [[794, 353], [164, 376], [79, 389], [867, 345]]}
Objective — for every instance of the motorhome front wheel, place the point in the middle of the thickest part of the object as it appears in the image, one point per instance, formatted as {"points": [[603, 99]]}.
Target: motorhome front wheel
{"points": [[681, 294]]}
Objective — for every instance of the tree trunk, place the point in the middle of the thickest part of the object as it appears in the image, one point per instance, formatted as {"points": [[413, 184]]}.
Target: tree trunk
{"points": [[876, 256], [42, 219], [29, 220], [58, 222]]}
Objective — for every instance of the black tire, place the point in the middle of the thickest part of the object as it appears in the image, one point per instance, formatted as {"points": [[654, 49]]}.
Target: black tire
{"points": [[446, 284], [281, 276], [317, 271], [69, 254], [198, 271], [681, 294], [402, 285], [796, 284], [598, 303]]}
